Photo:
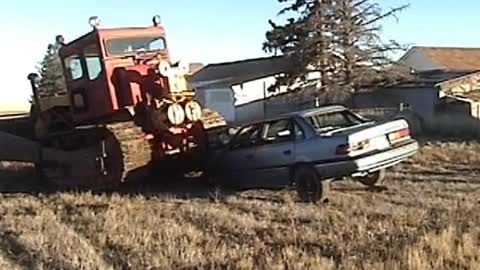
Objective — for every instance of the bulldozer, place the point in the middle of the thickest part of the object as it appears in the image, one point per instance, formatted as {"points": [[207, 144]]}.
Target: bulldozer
{"points": [[128, 112]]}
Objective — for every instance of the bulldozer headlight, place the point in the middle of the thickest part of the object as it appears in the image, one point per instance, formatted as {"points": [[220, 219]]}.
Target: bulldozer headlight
{"points": [[193, 110], [157, 20], [164, 68], [183, 68], [175, 114], [94, 21]]}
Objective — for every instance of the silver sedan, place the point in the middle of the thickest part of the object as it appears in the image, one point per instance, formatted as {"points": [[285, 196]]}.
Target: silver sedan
{"points": [[309, 148]]}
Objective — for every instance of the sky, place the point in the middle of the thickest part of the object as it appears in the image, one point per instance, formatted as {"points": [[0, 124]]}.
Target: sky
{"points": [[197, 30]]}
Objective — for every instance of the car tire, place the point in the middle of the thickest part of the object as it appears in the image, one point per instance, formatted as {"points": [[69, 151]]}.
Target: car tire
{"points": [[373, 179], [309, 185]]}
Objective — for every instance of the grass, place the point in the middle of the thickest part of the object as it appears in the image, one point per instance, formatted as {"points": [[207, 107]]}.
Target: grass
{"points": [[426, 218]]}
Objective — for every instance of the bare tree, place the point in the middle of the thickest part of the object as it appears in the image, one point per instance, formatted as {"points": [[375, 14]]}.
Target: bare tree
{"points": [[336, 40]]}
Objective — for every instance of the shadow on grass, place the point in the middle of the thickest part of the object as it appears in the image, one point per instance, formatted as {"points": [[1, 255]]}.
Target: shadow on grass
{"points": [[25, 181], [18, 253], [362, 189], [15, 251], [428, 139]]}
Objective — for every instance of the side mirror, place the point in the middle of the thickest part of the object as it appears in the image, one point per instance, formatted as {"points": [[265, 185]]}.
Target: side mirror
{"points": [[232, 131], [284, 133], [224, 139]]}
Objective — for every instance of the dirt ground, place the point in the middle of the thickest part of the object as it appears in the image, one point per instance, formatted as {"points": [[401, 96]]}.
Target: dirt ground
{"points": [[426, 217]]}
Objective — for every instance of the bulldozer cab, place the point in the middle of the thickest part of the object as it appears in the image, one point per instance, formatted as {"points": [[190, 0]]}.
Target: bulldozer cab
{"points": [[107, 70]]}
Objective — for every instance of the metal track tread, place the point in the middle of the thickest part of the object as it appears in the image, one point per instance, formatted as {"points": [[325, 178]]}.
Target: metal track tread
{"points": [[136, 150], [127, 156]]}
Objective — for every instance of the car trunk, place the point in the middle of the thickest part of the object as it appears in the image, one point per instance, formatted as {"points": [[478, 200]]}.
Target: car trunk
{"points": [[370, 137]]}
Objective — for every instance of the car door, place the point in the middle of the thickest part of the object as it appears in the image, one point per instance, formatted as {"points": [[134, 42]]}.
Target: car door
{"points": [[237, 162], [274, 154]]}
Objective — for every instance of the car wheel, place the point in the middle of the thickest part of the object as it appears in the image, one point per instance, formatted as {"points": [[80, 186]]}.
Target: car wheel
{"points": [[373, 179], [310, 187]]}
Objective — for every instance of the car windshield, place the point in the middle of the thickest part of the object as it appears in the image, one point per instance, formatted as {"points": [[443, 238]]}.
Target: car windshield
{"points": [[131, 45], [327, 122]]}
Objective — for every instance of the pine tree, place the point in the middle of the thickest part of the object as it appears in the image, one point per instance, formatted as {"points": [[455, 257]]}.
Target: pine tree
{"points": [[52, 80], [337, 39]]}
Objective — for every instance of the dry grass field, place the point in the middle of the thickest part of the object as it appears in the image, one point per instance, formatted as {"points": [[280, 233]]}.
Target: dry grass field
{"points": [[427, 217]]}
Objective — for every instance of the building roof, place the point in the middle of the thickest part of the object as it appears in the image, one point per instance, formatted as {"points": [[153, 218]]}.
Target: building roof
{"points": [[451, 58], [195, 67], [232, 73], [430, 79]]}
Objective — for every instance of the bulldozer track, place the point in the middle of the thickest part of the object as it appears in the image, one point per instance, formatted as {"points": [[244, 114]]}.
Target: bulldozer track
{"points": [[124, 157], [135, 150], [122, 152]]}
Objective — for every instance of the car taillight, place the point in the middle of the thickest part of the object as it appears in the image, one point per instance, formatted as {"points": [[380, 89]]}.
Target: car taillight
{"points": [[343, 149], [399, 136]]}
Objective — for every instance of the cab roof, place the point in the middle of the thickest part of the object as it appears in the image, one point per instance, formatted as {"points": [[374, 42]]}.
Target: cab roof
{"points": [[106, 33]]}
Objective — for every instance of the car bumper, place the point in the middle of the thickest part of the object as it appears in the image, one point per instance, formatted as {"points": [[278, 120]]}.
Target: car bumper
{"points": [[368, 164], [386, 159]]}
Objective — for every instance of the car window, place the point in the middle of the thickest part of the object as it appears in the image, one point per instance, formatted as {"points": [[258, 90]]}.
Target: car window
{"points": [[277, 131], [325, 122], [247, 137], [299, 133]]}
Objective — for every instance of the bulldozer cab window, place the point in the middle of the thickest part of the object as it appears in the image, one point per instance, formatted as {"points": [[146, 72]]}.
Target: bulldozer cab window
{"points": [[93, 61], [125, 46], [74, 67]]}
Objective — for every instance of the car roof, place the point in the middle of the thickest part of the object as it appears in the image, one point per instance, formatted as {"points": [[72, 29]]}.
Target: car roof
{"points": [[302, 113], [320, 110]]}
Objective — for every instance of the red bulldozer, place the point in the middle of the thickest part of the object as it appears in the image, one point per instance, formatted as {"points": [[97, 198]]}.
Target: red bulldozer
{"points": [[127, 112]]}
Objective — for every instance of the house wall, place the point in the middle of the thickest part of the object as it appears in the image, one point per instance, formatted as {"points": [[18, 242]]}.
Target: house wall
{"points": [[456, 124], [271, 107], [220, 99], [255, 90], [422, 101], [250, 112], [200, 96], [463, 85]]}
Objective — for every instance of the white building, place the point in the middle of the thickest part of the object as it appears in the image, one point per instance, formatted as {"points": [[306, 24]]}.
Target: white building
{"points": [[224, 87]]}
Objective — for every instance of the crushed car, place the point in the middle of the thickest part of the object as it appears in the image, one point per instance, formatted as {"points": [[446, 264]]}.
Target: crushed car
{"points": [[308, 149]]}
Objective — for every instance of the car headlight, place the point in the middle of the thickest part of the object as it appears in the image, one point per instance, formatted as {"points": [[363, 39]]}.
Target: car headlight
{"points": [[175, 114], [193, 110]]}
